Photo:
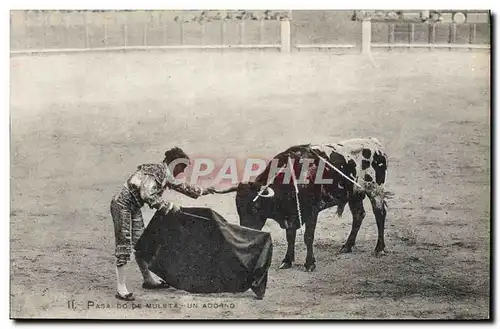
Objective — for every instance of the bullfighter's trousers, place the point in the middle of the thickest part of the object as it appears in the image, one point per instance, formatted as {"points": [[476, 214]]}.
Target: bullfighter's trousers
{"points": [[128, 224]]}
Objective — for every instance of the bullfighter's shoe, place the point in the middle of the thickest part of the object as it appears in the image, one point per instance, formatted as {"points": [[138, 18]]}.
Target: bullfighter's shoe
{"points": [[128, 297], [161, 285]]}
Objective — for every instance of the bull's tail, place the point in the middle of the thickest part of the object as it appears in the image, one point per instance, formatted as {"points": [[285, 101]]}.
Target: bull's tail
{"points": [[386, 196], [230, 189], [389, 194]]}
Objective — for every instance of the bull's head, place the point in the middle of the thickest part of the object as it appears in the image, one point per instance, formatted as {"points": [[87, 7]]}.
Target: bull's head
{"points": [[254, 203]]}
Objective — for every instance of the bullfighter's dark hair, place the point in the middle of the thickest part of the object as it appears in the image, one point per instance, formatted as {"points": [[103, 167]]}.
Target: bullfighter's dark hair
{"points": [[175, 153]]}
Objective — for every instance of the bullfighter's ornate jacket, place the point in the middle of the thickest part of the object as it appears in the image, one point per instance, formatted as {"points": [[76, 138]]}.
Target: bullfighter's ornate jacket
{"points": [[149, 182]]}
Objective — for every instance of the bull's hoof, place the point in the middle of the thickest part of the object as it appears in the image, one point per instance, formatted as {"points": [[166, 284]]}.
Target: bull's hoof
{"points": [[345, 249], [285, 264], [379, 253], [310, 267]]}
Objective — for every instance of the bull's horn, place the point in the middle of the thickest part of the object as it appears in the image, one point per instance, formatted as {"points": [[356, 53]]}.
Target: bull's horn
{"points": [[269, 194]]}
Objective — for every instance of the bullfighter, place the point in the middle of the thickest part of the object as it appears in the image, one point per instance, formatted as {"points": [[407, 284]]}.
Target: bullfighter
{"points": [[146, 185]]}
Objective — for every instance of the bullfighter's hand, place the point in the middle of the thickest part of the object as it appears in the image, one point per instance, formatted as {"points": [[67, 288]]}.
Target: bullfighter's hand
{"points": [[209, 190], [169, 208], [175, 209]]}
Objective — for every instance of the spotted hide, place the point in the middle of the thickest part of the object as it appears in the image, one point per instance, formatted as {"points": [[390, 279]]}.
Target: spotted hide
{"points": [[362, 161]]}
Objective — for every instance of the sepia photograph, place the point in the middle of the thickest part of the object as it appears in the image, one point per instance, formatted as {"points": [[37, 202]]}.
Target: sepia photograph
{"points": [[243, 164]]}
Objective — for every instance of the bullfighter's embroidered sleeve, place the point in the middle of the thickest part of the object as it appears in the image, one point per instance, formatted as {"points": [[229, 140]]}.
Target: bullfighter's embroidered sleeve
{"points": [[151, 193], [190, 190]]}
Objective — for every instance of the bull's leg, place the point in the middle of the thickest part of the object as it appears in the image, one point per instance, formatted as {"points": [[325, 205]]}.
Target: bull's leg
{"points": [[310, 264], [290, 252], [358, 214], [380, 212]]}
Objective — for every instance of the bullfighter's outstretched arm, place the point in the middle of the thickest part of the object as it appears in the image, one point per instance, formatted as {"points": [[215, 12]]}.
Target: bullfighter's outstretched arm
{"points": [[191, 191]]}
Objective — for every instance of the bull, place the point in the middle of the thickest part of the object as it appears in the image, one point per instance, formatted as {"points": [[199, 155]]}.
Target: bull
{"points": [[335, 175]]}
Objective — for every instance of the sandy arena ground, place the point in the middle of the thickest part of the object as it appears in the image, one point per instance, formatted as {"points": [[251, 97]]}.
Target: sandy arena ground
{"points": [[81, 124]]}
